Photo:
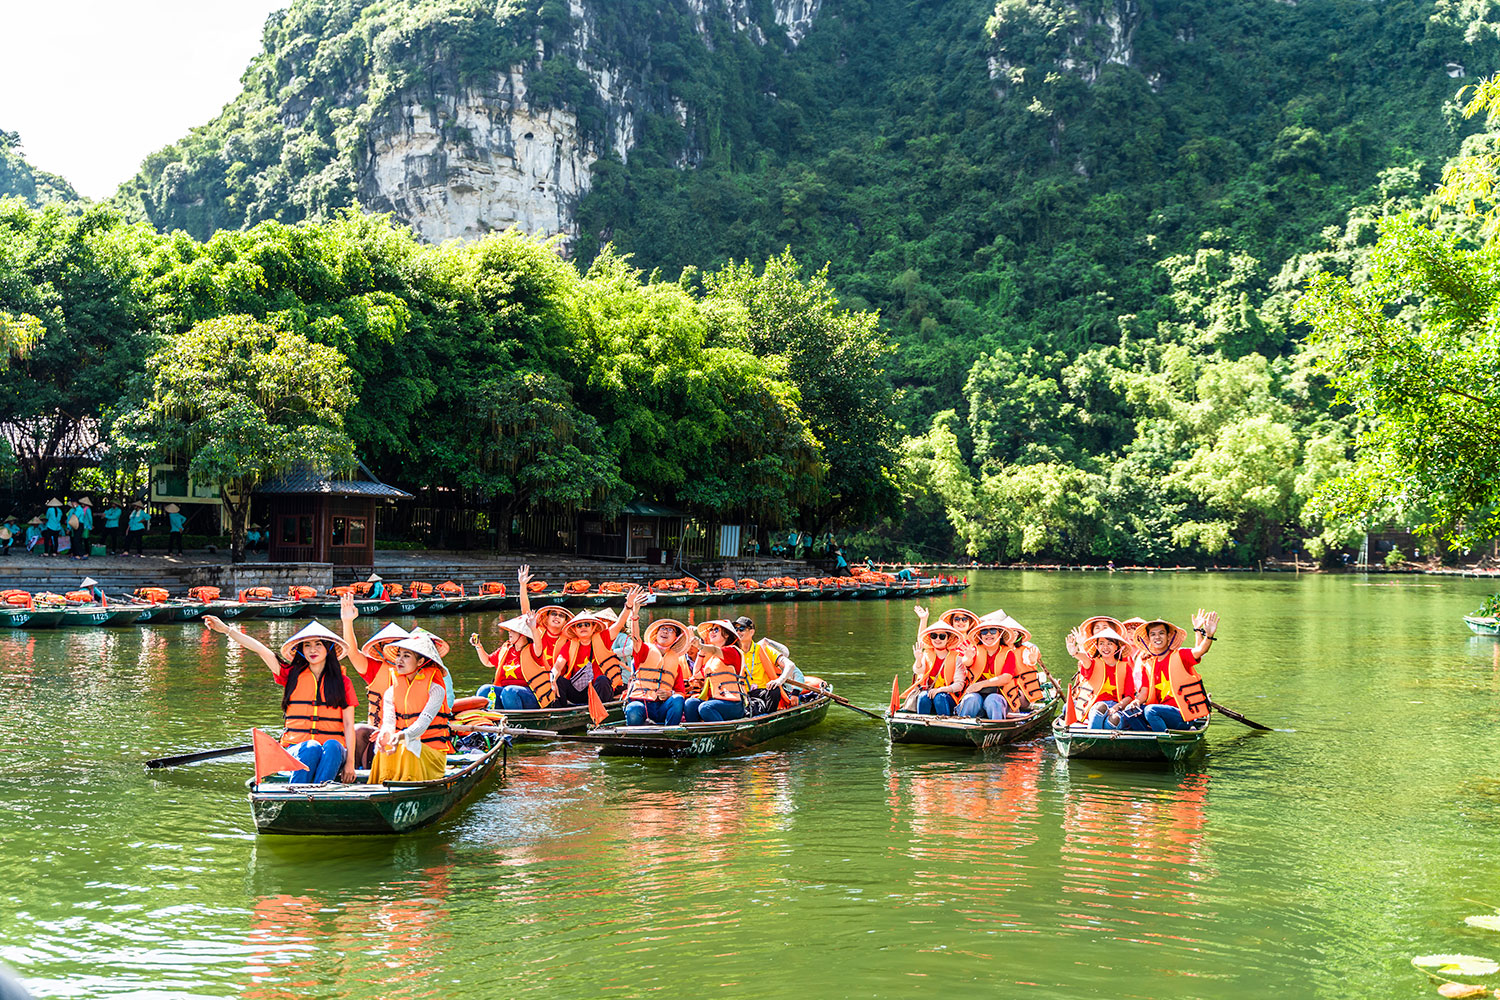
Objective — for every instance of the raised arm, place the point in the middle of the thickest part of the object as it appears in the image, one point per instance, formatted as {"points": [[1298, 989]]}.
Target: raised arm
{"points": [[523, 577], [240, 638], [347, 613], [1205, 624], [921, 619], [479, 650]]}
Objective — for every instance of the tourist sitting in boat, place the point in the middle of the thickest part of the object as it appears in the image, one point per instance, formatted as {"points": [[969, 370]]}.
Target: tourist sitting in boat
{"points": [[938, 673], [1176, 696], [317, 701], [377, 657], [716, 676], [993, 690], [1110, 683], [588, 656], [415, 737], [655, 692], [768, 666]]}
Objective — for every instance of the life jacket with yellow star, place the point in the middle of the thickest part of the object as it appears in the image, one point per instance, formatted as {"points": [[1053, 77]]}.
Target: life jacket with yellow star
{"points": [[1175, 681]]}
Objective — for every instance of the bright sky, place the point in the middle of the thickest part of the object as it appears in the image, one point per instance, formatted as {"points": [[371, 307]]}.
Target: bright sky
{"points": [[94, 86]]}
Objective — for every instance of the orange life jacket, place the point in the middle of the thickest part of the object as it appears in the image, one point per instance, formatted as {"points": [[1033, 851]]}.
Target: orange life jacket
{"points": [[1188, 694], [306, 718], [375, 697], [936, 671], [412, 692], [204, 594], [1026, 675], [538, 677], [655, 680], [998, 668], [607, 661], [720, 680]]}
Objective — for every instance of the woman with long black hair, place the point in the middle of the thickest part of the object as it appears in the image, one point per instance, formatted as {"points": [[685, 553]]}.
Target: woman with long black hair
{"points": [[317, 699]]}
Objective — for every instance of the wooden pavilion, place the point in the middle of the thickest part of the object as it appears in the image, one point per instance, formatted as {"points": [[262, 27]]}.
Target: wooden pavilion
{"points": [[324, 517]]}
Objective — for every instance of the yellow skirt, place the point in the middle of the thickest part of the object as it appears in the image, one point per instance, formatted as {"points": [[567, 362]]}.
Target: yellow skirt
{"points": [[398, 765]]}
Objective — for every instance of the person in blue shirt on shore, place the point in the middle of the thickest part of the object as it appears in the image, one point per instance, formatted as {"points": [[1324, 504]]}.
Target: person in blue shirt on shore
{"points": [[52, 526], [80, 526], [175, 523], [140, 519], [112, 515]]}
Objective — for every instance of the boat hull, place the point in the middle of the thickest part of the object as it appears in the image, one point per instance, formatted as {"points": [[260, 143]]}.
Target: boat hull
{"points": [[29, 618], [563, 719], [1108, 744], [279, 609], [704, 739], [1482, 626], [392, 808], [953, 731]]}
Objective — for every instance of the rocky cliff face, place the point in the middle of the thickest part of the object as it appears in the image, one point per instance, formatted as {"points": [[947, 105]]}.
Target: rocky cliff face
{"points": [[1073, 36], [480, 159]]}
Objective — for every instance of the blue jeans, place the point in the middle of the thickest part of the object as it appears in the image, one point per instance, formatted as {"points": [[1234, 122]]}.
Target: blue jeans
{"points": [[993, 706], [661, 713], [1164, 717], [935, 704], [1099, 717], [1132, 720], [518, 698], [322, 761], [719, 710]]}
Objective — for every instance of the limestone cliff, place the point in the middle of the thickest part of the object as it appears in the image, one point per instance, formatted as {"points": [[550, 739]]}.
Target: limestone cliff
{"points": [[460, 118]]}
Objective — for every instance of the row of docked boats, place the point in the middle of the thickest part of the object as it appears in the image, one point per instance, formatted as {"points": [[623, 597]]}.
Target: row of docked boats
{"points": [[44, 611]]}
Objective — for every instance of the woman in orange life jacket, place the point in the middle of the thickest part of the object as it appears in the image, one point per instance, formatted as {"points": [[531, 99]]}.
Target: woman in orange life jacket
{"points": [[962, 620], [991, 692], [1177, 696], [318, 700], [522, 656], [588, 658], [655, 693], [505, 661], [414, 738], [377, 656], [1110, 683], [938, 672], [721, 696]]}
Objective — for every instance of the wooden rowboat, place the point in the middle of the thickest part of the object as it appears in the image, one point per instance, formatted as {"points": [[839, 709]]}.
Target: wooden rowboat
{"points": [[955, 731], [1482, 626], [392, 807], [97, 614], [1114, 744], [29, 618], [277, 609], [559, 718], [702, 739]]}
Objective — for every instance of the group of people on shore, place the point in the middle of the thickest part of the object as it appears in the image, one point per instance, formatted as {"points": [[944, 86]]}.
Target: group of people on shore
{"points": [[68, 528], [1139, 675], [548, 657]]}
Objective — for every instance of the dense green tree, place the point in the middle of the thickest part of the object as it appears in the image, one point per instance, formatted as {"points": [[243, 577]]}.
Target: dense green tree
{"points": [[237, 401]]}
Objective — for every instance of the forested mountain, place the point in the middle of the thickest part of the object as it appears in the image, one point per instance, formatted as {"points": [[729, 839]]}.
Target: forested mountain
{"points": [[1083, 221], [20, 179]]}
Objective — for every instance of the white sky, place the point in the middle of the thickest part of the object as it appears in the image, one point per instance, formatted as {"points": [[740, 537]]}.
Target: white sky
{"points": [[94, 87]]}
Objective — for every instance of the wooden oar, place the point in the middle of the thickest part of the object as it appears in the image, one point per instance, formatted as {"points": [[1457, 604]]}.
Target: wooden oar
{"points": [[835, 699], [1237, 717], [192, 758]]}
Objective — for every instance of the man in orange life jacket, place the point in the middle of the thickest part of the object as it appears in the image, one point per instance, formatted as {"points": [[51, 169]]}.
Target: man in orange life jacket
{"points": [[1177, 696]]}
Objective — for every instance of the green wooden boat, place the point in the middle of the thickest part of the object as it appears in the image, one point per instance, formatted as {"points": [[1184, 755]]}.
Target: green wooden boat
{"points": [[439, 605], [187, 611], [671, 598], [277, 609], [703, 739], [954, 731], [400, 606], [393, 807], [97, 614], [30, 618], [229, 610], [560, 718], [1482, 626], [1112, 744]]}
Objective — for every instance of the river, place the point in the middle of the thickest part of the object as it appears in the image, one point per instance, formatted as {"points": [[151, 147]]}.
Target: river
{"points": [[1309, 863]]}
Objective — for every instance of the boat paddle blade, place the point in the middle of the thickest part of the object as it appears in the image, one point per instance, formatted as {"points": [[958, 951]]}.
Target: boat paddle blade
{"points": [[596, 707], [271, 757], [895, 694]]}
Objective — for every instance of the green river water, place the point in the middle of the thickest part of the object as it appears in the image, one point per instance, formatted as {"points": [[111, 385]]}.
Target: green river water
{"points": [[1311, 863]]}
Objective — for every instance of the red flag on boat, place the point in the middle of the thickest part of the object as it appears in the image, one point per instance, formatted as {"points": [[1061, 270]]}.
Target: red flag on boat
{"points": [[271, 757], [895, 694], [597, 711]]}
